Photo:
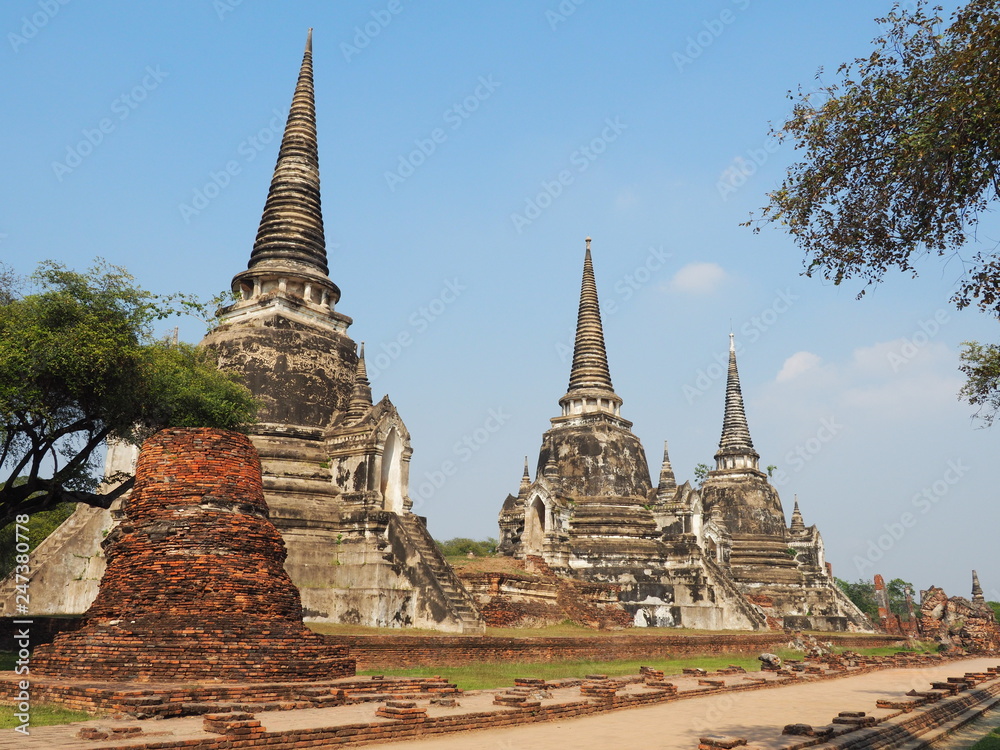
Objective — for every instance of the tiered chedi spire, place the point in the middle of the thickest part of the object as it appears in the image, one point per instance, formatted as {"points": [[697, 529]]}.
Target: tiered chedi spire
{"points": [[290, 244], [525, 480], [977, 590], [668, 481], [735, 447], [361, 396], [797, 526], [590, 388]]}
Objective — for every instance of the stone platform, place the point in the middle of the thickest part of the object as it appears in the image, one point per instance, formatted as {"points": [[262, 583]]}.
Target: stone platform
{"points": [[434, 708]]}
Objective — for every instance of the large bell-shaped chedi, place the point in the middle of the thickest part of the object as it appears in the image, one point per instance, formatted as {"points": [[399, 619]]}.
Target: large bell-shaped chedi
{"points": [[738, 491], [283, 333], [336, 465], [585, 509], [781, 569], [590, 511]]}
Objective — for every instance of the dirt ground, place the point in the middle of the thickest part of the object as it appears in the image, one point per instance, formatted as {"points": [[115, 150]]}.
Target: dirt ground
{"points": [[759, 716]]}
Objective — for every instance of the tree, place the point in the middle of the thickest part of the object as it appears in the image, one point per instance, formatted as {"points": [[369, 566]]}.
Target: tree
{"points": [[701, 474], [900, 160], [461, 546], [78, 365], [862, 593]]}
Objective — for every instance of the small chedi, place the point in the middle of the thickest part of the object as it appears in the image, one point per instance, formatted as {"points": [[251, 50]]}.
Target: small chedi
{"points": [[718, 557], [194, 586], [957, 623]]}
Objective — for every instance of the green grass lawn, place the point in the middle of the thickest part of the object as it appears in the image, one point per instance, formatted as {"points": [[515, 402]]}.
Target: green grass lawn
{"points": [[484, 676], [42, 716], [989, 742], [488, 675]]}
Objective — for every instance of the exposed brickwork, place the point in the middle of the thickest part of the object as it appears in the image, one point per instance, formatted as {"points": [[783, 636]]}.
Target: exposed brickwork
{"points": [[404, 651], [540, 597], [162, 701], [534, 700], [194, 586], [957, 623]]}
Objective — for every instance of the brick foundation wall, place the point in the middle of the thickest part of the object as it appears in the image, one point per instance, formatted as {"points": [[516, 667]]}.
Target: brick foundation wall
{"points": [[403, 651]]}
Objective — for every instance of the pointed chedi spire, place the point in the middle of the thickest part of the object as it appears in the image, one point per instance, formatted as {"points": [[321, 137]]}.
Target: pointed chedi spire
{"points": [[977, 590], [361, 396], [798, 525], [290, 241], [525, 480], [735, 447], [291, 227], [668, 482], [590, 387]]}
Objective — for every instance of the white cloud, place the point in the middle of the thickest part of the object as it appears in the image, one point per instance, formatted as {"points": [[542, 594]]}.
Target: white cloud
{"points": [[888, 381], [797, 364], [698, 278]]}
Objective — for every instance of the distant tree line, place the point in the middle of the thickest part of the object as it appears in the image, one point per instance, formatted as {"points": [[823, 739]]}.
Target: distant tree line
{"points": [[461, 547], [862, 593]]}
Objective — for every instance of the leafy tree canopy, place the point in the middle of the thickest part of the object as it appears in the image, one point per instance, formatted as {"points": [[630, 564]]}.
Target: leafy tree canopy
{"points": [[900, 158], [461, 546], [78, 365]]}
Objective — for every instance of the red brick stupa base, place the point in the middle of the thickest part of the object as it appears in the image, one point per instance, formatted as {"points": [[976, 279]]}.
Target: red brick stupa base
{"points": [[195, 586]]}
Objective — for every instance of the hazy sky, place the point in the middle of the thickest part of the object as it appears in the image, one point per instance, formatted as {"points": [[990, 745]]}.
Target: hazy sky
{"points": [[467, 149]]}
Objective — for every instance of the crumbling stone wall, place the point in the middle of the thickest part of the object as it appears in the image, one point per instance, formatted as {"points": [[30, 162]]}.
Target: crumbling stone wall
{"points": [[957, 623], [194, 586]]}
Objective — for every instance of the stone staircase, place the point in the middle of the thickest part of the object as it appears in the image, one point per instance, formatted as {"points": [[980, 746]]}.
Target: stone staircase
{"points": [[727, 590], [453, 591]]}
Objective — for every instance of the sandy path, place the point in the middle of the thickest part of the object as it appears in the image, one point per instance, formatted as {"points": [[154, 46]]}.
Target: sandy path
{"points": [[758, 716]]}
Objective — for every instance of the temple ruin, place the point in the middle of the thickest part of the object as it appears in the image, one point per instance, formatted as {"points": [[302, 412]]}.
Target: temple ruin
{"points": [[335, 464], [718, 557], [957, 623], [194, 587]]}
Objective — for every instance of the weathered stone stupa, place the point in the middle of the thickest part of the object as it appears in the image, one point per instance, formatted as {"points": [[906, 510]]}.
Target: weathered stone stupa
{"points": [[591, 510], [194, 587], [335, 463], [720, 557]]}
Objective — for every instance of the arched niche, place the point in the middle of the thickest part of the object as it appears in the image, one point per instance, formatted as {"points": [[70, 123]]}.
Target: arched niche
{"points": [[391, 478]]}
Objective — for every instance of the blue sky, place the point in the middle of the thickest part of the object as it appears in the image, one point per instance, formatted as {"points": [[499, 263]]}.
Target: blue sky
{"points": [[467, 149]]}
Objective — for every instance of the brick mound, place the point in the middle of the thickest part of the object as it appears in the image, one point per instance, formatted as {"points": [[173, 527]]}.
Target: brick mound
{"points": [[195, 586]]}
